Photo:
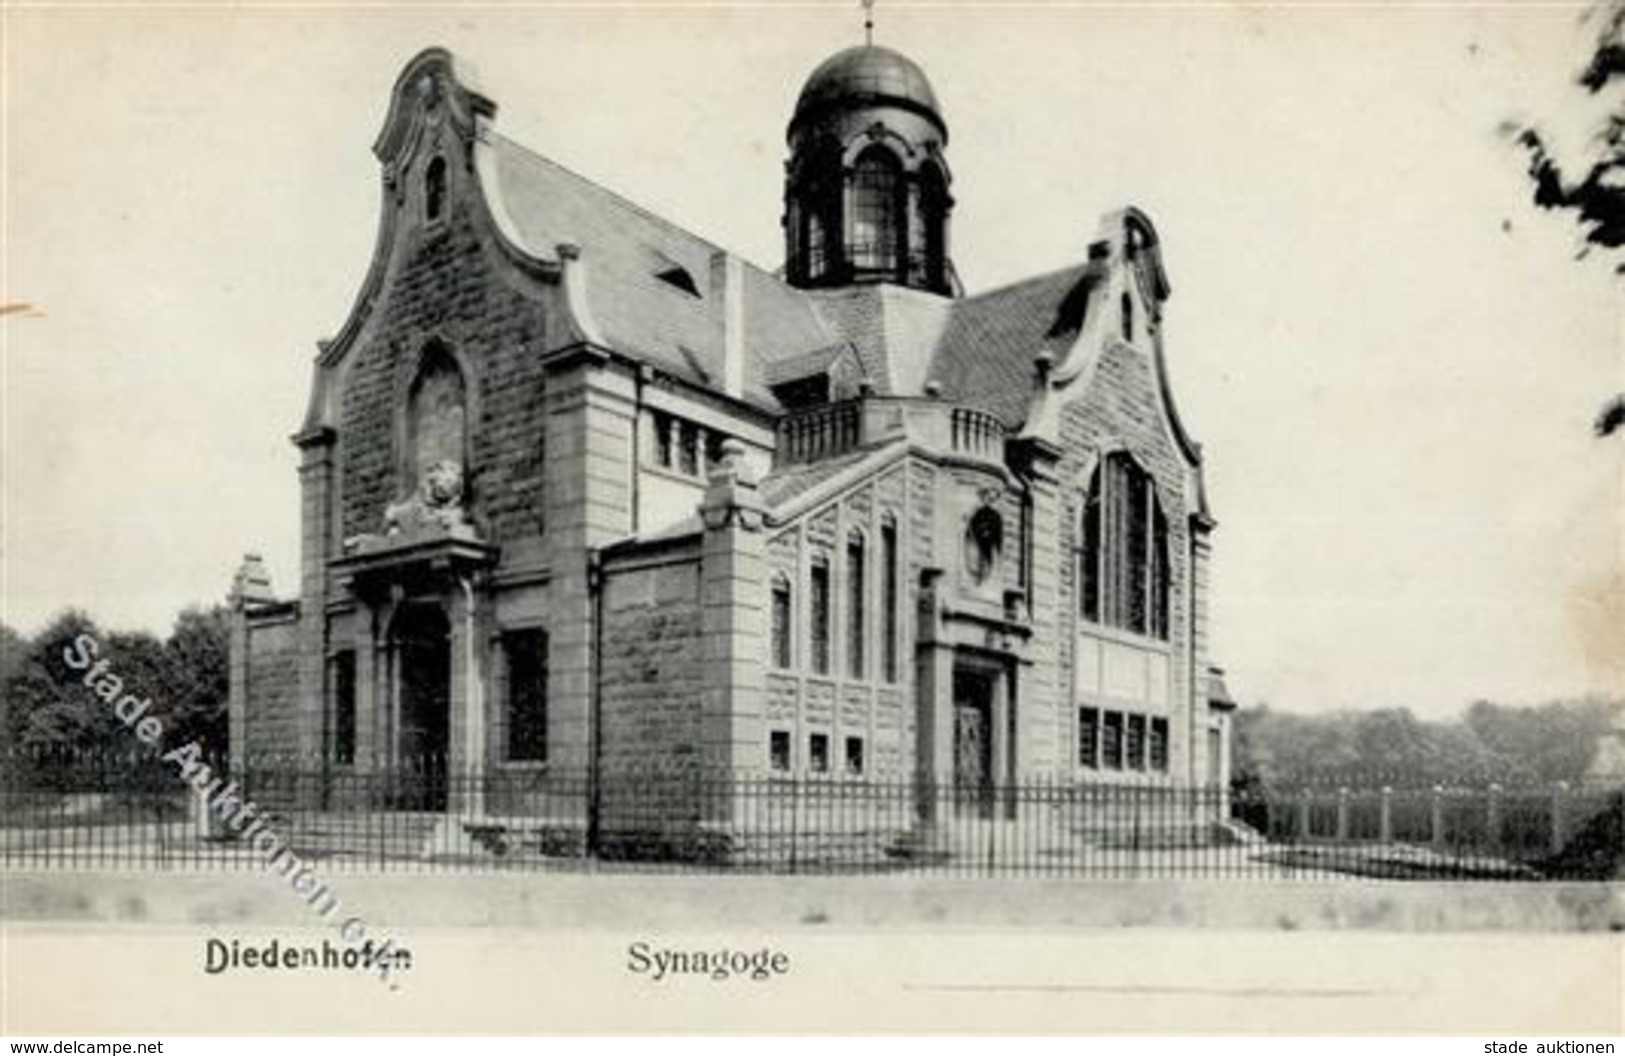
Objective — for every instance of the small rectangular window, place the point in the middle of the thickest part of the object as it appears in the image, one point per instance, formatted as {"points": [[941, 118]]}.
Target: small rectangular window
{"points": [[1089, 737], [1111, 741], [818, 753], [778, 751], [854, 756], [344, 707], [1159, 745], [1136, 742], [526, 653], [662, 430], [688, 448]]}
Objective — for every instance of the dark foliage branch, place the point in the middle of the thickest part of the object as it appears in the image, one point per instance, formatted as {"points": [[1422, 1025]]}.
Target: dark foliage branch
{"points": [[1596, 193]]}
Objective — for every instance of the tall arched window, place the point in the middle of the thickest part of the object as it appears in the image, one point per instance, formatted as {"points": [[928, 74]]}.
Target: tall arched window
{"points": [[1123, 569], [782, 608], [434, 189], [877, 212], [888, 610], [818, 614], [934, 222], [857, 616]]}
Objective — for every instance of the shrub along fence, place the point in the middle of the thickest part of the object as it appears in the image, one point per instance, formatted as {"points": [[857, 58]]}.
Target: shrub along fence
{"points": [[68, 810]]}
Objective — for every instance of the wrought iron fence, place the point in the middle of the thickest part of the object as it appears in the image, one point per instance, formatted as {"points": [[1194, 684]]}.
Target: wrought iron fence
{"points": [[79, 811]]}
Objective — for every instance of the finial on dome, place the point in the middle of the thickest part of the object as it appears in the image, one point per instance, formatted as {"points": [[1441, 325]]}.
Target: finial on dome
{"points": [[868, 22]]}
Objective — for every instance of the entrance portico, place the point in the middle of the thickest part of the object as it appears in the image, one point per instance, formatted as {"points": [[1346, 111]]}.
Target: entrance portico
{"points": [[421, 657]]}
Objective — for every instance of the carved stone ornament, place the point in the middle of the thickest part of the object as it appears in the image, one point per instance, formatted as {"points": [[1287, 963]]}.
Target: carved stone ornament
{"points": [[435, 506]]}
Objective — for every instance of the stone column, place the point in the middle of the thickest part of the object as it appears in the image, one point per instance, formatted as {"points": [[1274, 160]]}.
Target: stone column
{"points": [[368, 727], [465, 762]]}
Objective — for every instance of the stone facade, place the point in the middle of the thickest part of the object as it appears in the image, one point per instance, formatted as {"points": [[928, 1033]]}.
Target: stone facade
{"points": [[589, 502]]}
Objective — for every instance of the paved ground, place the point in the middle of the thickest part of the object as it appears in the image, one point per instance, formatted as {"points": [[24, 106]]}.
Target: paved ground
{"points": [[69, 980]]}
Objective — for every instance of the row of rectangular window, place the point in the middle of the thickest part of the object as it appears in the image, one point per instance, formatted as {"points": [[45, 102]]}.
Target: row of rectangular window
{"points": [[1119, 740], [685, 447], [781, 648], [780, 757]]}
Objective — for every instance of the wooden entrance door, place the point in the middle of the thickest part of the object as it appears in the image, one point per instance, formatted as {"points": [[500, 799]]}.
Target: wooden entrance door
{"points": [[423, 646], [973, 744]]}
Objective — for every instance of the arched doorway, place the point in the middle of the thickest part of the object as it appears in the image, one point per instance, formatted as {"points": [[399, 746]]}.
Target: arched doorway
{"points": [[420, 638]]}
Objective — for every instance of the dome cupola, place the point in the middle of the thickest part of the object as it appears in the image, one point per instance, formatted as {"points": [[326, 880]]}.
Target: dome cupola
{"points": [[866, 194]]}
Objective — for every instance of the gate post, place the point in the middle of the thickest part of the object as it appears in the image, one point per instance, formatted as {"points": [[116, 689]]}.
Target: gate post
{"points": [[1436, 819], [1492, 818], [1559, 821]]}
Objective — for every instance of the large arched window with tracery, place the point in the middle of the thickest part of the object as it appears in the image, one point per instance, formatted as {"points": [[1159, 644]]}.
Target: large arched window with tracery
{"points": [[877, 212], [1123, 566]]}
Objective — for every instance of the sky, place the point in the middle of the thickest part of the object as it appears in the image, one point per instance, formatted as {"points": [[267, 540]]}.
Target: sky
{"points": [[1391, 358]]}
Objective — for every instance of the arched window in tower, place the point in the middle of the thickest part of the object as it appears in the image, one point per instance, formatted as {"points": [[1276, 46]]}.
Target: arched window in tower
{"points": [[434, 190], [816, 240], [1124, 575], [934, 226], [436, 426], [1128, 316], [877, 213]]}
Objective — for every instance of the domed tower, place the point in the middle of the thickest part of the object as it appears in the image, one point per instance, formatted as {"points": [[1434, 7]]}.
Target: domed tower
{"points": [[866, 190]]}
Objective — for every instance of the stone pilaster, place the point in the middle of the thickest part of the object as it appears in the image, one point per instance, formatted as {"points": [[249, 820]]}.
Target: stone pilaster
{"points": [[1191, 758], [733, 621], [934, 689], [1045, 715], [591, 459], [316, 523], [251, 586]]}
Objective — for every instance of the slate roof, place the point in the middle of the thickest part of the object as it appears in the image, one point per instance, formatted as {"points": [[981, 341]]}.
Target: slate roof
{"points": [[984, 358], [626, 248], [787, 482], [980, 349]]}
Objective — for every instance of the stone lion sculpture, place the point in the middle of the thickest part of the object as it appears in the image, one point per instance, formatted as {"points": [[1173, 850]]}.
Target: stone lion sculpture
{"points": [[437, 502]]}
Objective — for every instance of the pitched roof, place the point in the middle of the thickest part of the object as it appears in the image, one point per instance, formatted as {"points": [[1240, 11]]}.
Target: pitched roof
{"points": [[676, 321], [789, 482], [984, 358], [653, 289]]}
